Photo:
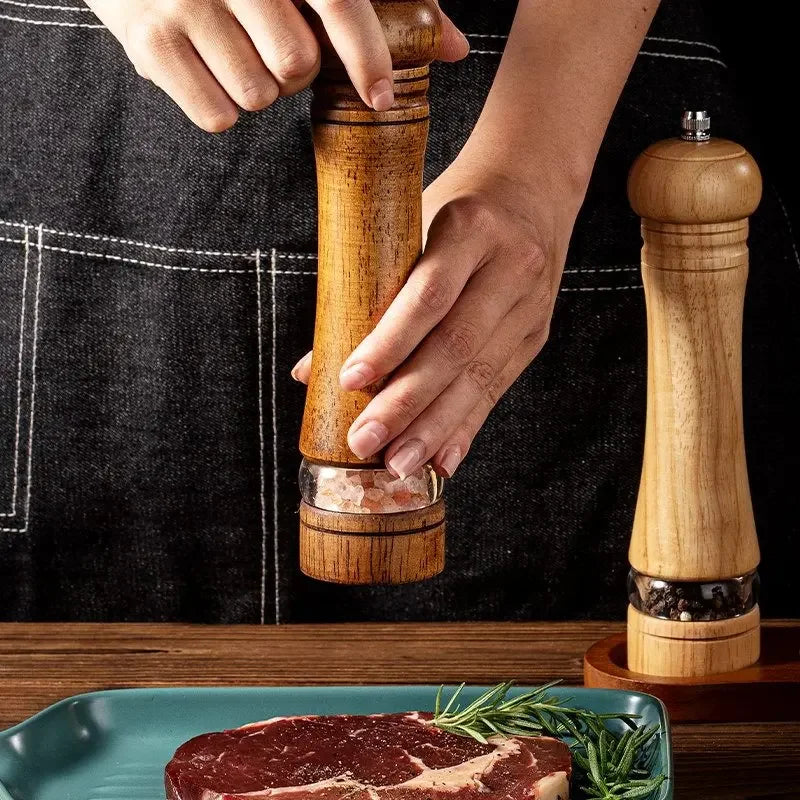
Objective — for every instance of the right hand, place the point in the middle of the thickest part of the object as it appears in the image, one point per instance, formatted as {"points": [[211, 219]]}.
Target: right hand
{"points": [[213, 57]]}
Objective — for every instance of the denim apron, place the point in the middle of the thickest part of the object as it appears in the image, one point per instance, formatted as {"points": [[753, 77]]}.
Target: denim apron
{"points": [[158, 283]]}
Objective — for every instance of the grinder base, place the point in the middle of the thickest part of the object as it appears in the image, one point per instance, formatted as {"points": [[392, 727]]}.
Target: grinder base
{"points": [[767, 691], [690, 649], [372, 548]]}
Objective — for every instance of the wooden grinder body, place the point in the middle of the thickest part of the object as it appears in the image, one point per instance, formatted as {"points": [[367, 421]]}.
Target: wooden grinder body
{"points": [[694, 517], [369, 177]]}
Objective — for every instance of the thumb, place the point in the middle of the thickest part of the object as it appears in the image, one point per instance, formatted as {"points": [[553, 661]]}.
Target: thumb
{"points": [[454, 44]]}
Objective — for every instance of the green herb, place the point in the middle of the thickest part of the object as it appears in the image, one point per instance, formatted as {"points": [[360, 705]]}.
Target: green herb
{"points": [[608, 765]]}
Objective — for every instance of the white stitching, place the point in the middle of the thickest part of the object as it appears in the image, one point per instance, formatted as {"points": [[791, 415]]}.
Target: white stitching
{"points": [[51, 23], [18, 425], [684, 58], [40, 7], [641, 53], [682, 41], [243, 271], [262, 497], [275, 442], [597, 288], [147, 245], [34, 348], [789, 227], [671, 40], [581, 270], [160, 247], [139, 262]]}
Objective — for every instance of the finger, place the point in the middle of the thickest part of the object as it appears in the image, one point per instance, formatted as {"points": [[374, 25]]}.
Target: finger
{"points": [[448, 349], [450, 455], [226, 49], [301, 371], [358, 38], [172, 63], [434, 285], [431, 429], [455, 45], [283, 40]]}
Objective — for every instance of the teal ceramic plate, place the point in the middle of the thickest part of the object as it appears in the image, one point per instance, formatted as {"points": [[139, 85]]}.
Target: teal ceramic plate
{"points": [[114, 745]]}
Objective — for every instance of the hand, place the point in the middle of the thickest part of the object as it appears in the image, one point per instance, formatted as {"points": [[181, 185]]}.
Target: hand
{"points": [[213, 57], [474, 313]]}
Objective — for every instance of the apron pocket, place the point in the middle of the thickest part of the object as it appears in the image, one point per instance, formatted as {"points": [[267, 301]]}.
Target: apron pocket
{"points": [[145, 489]]}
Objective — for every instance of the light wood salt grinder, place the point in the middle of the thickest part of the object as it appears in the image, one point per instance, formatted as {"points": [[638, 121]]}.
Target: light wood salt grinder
{"points": [[359, 525]]}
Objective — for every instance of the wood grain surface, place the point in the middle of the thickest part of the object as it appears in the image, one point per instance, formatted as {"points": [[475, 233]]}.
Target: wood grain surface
{"points": [[369, 191], [42, 663], [694, 517]]}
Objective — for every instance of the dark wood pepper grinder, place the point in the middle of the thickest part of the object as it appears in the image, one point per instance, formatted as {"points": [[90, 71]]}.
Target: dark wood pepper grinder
{"points": [[694, 550], [358, 523]]}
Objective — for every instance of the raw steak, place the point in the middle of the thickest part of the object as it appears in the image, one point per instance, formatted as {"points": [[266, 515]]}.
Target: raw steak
{"points": [[379, 757]]}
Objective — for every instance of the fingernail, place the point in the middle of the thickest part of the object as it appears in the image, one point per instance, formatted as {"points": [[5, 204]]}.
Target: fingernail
{"points": [[368, 439], [450, 460], [407, 458], [356, 376], [300, 365], [381, 95]]}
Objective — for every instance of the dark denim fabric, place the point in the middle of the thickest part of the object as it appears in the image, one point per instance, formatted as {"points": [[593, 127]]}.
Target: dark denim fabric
{"points": [[157, 284]]}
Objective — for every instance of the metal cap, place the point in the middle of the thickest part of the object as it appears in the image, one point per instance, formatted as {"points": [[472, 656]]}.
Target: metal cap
{"points": [[695, 125]]}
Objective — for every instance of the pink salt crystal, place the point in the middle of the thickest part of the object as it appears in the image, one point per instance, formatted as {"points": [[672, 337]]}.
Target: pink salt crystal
{"points": [[402, 496], [417, 484], [389, 506], [382, 479]]}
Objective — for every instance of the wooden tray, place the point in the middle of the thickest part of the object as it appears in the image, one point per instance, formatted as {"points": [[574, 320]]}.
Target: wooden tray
{"points": [[769, 691]]}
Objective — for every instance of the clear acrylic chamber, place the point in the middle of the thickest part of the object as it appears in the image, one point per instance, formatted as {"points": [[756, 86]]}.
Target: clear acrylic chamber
{"points": [[690, 601], [358, 490]]}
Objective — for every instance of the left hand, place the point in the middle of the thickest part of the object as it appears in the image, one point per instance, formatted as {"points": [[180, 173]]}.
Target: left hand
{"points": [[473, 315]]}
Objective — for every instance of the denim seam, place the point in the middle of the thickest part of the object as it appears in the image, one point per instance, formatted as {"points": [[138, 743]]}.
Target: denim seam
{"points": [[18, 423], [261, 446], [51, 22], [34, 348], [649, 53], [43, 7], [274, 365], [296, 256], [669, 39]]}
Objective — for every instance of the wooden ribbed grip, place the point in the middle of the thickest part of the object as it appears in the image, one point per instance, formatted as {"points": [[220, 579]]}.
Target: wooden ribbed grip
{"points": [[369, 177], [694, 519]]}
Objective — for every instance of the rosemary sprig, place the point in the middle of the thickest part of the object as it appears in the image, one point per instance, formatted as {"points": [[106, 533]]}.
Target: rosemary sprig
{"points": [[608, 765]]}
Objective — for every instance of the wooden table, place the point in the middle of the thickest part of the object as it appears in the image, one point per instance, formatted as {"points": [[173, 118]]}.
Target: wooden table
{"points": [[41, 663]]}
